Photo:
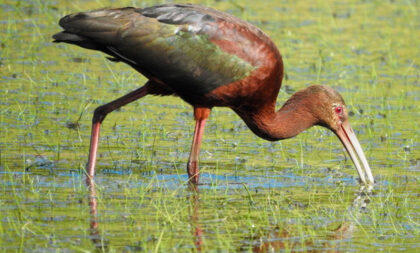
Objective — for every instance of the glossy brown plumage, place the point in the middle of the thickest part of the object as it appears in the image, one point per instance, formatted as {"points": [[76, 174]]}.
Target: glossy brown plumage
{"points": [[208, 58]]}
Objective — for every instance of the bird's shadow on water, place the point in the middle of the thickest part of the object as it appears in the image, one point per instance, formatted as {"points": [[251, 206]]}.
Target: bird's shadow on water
{"points": [[273, 241]]}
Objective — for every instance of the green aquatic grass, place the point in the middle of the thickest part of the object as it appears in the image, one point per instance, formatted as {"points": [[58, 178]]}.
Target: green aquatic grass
{"points": [[298, 194]]}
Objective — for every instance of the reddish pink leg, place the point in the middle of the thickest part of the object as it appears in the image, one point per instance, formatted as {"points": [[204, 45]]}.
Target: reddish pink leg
{"points": [[201, 115], [99, 115]]}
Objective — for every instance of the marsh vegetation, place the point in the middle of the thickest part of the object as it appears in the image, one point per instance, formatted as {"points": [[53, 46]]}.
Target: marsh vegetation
{"points": [[300, 194]]}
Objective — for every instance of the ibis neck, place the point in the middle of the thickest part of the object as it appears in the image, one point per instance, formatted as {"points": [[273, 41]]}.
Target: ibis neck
{"points": [[287, 122]]}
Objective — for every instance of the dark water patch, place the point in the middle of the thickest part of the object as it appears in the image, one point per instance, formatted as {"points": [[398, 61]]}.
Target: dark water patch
{"points": [[11, 77], [79, 60]]}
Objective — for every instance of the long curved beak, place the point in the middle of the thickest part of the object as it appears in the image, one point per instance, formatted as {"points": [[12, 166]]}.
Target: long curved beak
{"points": [[352, 145]]}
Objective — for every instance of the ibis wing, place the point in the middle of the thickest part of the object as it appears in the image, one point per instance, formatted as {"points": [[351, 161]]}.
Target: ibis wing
{"points": [[169, 42]]}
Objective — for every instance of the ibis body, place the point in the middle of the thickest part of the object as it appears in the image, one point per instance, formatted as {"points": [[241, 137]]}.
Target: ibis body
{"points": [[207, 58]]}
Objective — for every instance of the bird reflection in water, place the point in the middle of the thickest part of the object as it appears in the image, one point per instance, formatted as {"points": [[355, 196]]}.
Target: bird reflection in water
{"points": [[195, 203], [101, 243], [277, 240], [94, 223], [285, 239]]}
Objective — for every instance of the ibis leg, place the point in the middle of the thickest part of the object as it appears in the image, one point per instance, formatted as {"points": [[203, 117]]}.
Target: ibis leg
{"points": [[201, 115], [99, 115]]}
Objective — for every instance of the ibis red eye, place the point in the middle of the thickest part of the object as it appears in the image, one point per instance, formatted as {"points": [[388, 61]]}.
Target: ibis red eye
{"points": [[339, 109]]}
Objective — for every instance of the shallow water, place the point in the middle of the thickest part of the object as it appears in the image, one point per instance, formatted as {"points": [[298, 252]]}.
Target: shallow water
{"points": [[300, 194]]}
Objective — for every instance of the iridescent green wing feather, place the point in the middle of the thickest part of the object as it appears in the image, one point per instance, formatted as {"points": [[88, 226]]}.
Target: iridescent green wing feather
{"points": [[169, 42]]}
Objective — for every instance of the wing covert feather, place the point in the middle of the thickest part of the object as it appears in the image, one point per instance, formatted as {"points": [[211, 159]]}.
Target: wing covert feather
{"points": [[171, 43]]}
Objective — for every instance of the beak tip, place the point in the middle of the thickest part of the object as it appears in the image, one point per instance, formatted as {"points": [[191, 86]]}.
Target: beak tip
{"points": [[352, 145], [368, 181]]}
